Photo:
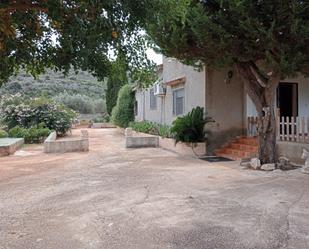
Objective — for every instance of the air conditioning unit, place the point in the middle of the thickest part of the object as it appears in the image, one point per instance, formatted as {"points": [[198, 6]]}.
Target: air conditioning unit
{"points": [[159, 89]]}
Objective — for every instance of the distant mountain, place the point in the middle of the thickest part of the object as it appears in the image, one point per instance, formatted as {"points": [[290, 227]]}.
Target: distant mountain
{"points": [[53, 83]]}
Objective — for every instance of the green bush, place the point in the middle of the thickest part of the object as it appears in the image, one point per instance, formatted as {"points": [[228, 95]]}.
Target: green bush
{"points": [[25, 112], [165, 131], [123, 112], [151, 128], [31, 135], [145, 127], [104, 119], [81, 103], [191, 127], [3, 134]]}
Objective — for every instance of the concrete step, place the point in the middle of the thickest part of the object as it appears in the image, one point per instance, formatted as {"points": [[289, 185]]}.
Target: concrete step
{"points": [[241, 147]]}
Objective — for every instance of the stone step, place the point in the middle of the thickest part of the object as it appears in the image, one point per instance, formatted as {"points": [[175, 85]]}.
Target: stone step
{"points": [[247, 141], [244, 147], [241, 147]]}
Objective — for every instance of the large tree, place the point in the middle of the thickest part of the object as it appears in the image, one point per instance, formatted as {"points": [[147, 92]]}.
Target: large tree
{"points": [[117, 78], [265, 41], [58, 34]]}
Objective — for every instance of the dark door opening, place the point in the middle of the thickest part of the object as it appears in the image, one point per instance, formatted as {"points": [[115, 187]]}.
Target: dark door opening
{"points": [[287, 99]]}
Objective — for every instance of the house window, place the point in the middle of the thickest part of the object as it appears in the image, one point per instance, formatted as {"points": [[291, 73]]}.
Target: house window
{"points": [[179, 101], [153, 100]]}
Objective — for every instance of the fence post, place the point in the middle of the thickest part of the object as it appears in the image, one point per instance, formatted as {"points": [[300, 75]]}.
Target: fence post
{"points": [[297, 128], [293, 128], [303, 129], [278, 127]]}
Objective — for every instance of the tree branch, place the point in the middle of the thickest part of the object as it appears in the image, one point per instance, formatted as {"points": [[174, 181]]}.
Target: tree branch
{"points": [[255, 72], [22, 7]]}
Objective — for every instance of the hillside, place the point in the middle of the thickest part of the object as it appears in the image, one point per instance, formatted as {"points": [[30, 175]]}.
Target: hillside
{"points": [[82, 92], [52, 83]]}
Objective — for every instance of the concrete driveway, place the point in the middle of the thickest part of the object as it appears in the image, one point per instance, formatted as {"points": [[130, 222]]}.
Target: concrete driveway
{"points": [[114, 198]]}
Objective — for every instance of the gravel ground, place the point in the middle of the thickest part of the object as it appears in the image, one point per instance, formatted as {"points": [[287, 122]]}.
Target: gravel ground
{"points": [[116, 198]]}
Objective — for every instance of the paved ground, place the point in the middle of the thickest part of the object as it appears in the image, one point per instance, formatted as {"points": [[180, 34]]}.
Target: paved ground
{"points": [[115, 198]]}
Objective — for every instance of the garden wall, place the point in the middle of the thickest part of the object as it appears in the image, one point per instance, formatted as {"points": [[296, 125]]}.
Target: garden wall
{"points": [[8, 146], [52, 145], [182, 148], [140, 140]]}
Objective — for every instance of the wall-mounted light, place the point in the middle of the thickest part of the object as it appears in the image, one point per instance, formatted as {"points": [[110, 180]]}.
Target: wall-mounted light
{"points": [[229, 77]]}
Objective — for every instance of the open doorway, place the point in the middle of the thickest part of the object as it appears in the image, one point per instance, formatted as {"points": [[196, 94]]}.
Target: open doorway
{"points": [[287, 99]]}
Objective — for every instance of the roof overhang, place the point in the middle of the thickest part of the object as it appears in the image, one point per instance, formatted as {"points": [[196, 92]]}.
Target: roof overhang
{"points": [[176, 82]]}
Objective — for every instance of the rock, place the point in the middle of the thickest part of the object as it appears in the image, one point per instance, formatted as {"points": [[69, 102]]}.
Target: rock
{"points": [[84, 133], [255, 163], [305, 170], [245, 163], [128, 132], [285, 164], [268, 167], [305, 156]]}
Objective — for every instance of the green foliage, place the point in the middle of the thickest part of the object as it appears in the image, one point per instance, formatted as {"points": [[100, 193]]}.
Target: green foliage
{"points": [[81, 103], [29, 112], [104, 119], [3, 134], [151, 128], [274, 35], [87, 33], [116, 79], [190, 128], [123, 112], [34, 134], [52, 83]]}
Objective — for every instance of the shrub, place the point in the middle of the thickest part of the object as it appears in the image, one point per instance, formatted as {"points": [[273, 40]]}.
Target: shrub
{"points": [[165, 131], [23, 112], [81, 103], [123, 112], [151, 128], [3, 134], [31, 135], [104, 119], [190, 128], [145, 127]]}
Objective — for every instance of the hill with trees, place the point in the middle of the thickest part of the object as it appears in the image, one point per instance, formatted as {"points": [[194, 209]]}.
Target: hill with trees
{"points": [[82, 92]]}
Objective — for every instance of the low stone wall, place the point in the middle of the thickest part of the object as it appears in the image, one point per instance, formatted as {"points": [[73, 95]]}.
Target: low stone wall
{"points": [[291, 150], [140, 140], [52, 145], [182, 148], [8, 146], [102, 125]]}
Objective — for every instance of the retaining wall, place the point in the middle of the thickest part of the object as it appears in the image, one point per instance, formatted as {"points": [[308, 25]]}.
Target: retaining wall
{"points": [[291, 150], [102, 125], [199, 149], [140, 140], [52, 145], [8, 146]]}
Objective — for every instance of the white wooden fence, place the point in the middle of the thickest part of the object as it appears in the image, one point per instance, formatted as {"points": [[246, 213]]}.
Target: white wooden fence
{"points": [[292, 129]]}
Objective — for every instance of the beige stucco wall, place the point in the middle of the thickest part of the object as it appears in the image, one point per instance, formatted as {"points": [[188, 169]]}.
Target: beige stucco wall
{"points": [[225, 103], [194, 86], [144, 111], [194, 93]]}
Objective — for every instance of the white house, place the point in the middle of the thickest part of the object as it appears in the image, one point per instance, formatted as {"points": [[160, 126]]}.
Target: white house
{"points": [[222, 95]]}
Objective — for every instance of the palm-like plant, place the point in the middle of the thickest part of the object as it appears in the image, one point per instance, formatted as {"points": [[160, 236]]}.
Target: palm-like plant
{"points": [[191, 127]]}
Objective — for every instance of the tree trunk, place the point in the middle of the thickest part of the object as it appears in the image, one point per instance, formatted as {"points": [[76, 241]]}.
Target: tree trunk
{"points": [[267, 133], [262, 91]]}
